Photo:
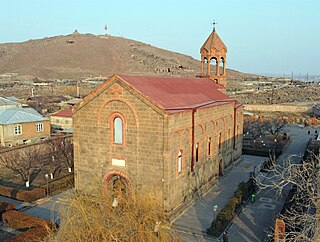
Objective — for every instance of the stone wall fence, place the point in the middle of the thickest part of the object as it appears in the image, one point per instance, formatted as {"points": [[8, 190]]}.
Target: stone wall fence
{"points": [[277, 108]]}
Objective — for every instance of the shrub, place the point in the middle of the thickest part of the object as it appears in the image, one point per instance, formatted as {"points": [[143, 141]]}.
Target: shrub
{"points": [[227, 213], [22, 195], [37, 229], [5, 207], [36, 234], [137, 217], [6, 191], [30, 195], [61, 184], [18, 220]]}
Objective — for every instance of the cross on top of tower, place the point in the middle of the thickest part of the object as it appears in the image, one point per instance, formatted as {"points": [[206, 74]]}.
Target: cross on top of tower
{"points": [[214, 25]]}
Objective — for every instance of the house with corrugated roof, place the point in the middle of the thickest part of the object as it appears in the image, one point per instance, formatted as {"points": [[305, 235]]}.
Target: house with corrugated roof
{"points": [[21, 125], [172, 136]]}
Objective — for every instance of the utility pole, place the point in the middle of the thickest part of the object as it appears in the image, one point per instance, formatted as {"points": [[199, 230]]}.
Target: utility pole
{"points": [[78, 89]]}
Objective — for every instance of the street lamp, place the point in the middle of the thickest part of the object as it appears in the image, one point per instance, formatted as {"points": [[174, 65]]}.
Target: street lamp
{"points": [[215, 207], [47, 177]]}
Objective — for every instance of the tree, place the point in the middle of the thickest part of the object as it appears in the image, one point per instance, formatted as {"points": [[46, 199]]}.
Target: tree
{"points": [[275, 126], [67, 152], [25, 161], [301, 211], [96, 217], [54, 159], [255, 129]]}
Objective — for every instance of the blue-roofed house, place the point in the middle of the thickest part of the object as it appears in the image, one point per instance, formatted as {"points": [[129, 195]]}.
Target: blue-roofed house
{"points": [[21, 125]]}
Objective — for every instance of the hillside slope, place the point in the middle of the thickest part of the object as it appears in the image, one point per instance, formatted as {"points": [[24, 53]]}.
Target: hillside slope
{"points": [[77, 56]]}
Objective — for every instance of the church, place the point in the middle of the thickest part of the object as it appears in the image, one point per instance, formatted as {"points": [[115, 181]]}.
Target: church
{"points": [[171, 135]]}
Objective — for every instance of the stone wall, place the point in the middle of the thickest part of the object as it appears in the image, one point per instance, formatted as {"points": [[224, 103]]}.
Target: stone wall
{"points": [[277, 108], [139, 159], [209, 122]]}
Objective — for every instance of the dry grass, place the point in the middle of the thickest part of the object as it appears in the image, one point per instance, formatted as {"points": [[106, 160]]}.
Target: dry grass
{"points": [[138, 217]]}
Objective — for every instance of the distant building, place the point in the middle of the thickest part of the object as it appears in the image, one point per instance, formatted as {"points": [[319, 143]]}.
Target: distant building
{"points": [[21, 126], [62, 119], [73, 101], [6, 103]]}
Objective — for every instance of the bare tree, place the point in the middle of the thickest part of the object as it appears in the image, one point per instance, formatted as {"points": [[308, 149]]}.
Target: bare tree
{"points": [[301, 215], [257, 129], [54, 158], [274, 127], [67, 152], [25, 161]]}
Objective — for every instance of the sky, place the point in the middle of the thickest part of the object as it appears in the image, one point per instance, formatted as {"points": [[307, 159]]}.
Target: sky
{"points": [[263, 36]]}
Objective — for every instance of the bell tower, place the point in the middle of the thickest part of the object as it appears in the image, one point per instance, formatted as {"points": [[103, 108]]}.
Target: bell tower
{"points": [[214, 52]]}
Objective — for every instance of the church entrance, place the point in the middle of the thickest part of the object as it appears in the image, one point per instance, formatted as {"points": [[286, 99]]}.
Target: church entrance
{"points": [[118, 188], [221, 168], [118, 185]]}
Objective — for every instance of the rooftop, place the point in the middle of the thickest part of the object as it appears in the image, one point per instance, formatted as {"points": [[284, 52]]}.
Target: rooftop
{"points": [[63, 113], [20, 115], [214, 42], [4, 102], [176, 93]]}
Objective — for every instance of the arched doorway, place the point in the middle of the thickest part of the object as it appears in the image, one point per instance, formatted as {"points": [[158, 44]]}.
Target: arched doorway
{"points": [[221, 168], [118, 190], [118, 185]]}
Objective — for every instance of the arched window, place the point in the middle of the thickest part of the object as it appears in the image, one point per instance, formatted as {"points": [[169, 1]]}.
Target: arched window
{"points": [[117, 130], [209, 146], [179, 161], [197, 152]]}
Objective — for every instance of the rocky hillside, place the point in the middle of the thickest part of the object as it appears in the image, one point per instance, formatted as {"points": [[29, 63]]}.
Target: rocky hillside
{"points": [[78, 56]]}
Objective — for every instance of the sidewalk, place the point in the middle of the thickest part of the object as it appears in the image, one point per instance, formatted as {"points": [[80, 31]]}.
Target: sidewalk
{"points": [[197, 218]]}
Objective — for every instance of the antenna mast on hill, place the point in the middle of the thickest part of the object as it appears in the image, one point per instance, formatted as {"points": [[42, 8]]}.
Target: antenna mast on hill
{"points": [[106, 28]]}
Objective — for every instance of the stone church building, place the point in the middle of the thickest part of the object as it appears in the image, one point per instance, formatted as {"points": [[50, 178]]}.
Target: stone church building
{"points": [[173, 136]]}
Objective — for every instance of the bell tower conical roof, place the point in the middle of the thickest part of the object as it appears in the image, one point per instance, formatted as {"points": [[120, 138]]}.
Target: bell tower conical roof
{"points": [[214, 43], [214, 52]]}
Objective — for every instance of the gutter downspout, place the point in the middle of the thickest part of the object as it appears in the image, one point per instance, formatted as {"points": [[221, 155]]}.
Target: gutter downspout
{"points": [[163, 180], [234, 127], [192, 141]]}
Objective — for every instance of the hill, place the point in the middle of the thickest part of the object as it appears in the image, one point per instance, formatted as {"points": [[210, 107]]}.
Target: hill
{"points": [[78, 56]]}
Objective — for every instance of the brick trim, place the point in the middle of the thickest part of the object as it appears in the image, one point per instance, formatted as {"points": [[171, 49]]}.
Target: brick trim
{"points": [[107, 177], [132, 109]]}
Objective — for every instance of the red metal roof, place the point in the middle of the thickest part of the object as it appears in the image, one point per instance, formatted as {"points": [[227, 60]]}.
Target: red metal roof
{"points": [[63, 113], [178, 92]]}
